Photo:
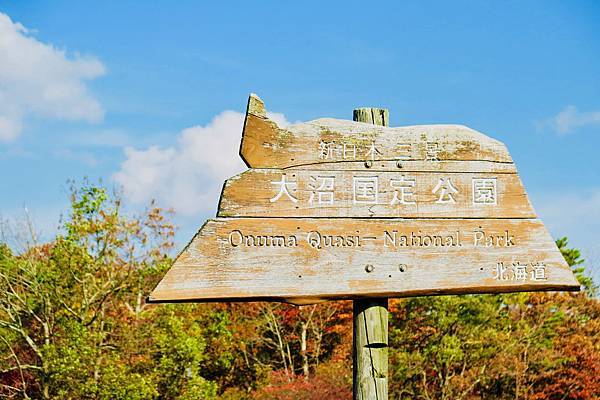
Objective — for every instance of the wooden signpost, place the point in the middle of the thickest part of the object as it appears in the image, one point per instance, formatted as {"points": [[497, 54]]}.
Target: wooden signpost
{"points": [[334, 209]]}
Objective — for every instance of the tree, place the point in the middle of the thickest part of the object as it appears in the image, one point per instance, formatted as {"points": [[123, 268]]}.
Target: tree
{"points": [[59, 301], [509, 346], [74, 324], [573, 258]]}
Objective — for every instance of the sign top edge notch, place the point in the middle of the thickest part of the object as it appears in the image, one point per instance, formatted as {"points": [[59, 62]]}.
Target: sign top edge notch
{"points": [[266, 144]]}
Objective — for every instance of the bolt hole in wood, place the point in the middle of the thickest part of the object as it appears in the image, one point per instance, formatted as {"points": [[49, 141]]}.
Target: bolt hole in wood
{"points": [[459, 180], [462, 179], [375, 345]]}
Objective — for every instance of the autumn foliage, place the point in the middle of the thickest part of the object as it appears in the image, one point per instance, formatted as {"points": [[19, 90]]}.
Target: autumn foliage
{"points": [[74, 324]]}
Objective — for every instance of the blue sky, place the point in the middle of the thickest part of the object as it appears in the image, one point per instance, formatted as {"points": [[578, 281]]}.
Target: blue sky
{"points": [[149, 94]]}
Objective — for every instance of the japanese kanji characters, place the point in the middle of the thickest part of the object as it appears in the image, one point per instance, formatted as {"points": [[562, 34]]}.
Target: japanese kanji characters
{"points": [[333, 150], [404, 151], [446, 191], [348, 151], [404, 190], [372, 152], [484, 191], [501, 272], [432, 151], [365, 189], [520, 272], [326, 150], [538, 272], [283, 189], [322, 189]]}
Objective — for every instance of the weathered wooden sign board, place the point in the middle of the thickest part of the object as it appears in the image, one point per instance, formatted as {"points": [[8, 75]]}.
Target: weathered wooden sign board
{"points": [[334, 209]]}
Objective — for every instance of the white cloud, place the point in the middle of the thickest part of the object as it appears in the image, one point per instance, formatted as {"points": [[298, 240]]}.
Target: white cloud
{"points": [[110, 137], [577, 216], [83, 157], [189, 175], [37, 78], [569, 119], [571, 212]]}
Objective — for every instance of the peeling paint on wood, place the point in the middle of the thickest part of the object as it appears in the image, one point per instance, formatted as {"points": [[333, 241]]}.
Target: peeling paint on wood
{"points": [[306, 258], [335, 209], [339, 194], [266, 145]]}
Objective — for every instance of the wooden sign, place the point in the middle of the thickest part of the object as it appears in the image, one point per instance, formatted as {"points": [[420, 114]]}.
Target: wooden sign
{"points": [[341, 194], [326, 140], [333, 209]]}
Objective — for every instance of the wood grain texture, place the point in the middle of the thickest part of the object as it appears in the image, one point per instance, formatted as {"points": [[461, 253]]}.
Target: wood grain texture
{"points": [[370, 316], [267, 248], [370, 115], [370, 355], [276, 259], [333, 194], [412, 166], [266, 145]]}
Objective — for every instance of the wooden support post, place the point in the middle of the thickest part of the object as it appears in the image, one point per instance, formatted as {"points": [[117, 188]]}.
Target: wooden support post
{"points": [[370, 343], [370, 349], [375, 116]]}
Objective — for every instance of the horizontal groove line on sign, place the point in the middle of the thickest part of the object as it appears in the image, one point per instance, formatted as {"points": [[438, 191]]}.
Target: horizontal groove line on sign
{"points": [[407, 162], [372, 218], [398, 170]]}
